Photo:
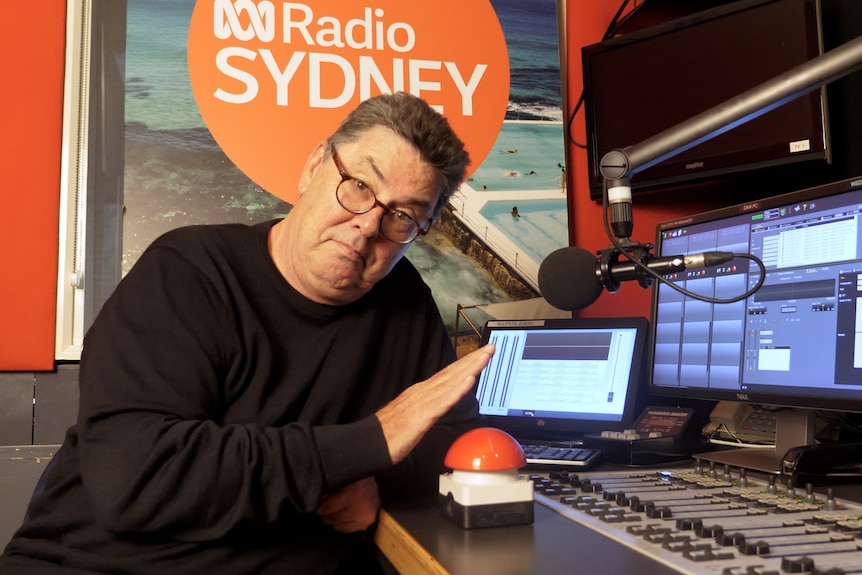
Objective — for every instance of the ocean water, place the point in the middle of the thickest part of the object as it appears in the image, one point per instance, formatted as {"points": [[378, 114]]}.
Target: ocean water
{"points": [[525, 156], [530, 28], [158, 91], [175, 174]]}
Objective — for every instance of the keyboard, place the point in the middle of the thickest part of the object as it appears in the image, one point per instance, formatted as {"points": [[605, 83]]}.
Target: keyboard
{"points": [[560, 456]]}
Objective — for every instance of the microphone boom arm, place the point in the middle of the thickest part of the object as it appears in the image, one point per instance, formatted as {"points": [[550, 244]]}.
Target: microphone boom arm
{"points": [[619, 165]]}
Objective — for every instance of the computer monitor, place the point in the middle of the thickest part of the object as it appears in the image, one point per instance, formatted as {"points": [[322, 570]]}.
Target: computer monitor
{"points": [[797, 342], [557, 379]]}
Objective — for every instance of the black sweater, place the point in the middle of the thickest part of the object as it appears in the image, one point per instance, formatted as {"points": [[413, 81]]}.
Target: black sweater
{"points": [[218, 406]]}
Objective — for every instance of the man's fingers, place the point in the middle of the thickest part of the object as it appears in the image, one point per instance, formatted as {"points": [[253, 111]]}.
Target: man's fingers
{"points": [[452, 382], [406, 418], [472, 363], [351, 508]]}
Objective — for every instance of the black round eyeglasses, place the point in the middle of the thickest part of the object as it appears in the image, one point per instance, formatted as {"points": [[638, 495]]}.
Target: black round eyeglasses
{"points": [[357, 197]]}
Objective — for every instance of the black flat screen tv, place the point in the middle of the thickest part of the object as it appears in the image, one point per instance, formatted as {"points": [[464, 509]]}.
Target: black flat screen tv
{"points": [[640, 84]]}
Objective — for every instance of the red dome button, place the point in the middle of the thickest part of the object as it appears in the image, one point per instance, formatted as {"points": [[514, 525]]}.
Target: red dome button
{"points": [[485, 449]]}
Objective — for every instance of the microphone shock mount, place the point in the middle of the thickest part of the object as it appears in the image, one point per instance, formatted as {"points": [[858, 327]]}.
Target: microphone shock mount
{"points": [[609, 257]]}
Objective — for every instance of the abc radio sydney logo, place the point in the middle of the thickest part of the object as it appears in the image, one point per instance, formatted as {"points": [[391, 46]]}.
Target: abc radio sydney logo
{"points": [[273, 78]]}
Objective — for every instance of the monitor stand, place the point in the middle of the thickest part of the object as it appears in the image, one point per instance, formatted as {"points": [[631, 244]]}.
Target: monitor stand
{"points": [[793, 428]]}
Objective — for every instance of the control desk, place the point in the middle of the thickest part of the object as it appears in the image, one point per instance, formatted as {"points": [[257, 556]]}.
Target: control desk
{"points": [[671, 520]]}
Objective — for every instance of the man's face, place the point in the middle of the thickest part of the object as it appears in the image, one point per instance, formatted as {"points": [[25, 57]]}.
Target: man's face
{"points": [[333, 256]]}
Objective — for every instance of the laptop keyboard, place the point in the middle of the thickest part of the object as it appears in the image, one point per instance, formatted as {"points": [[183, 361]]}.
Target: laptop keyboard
{"points": [[560, 455]]}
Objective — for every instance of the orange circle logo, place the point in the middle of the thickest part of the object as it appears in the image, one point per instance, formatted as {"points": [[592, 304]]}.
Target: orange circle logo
{"points": [[271, 78]]}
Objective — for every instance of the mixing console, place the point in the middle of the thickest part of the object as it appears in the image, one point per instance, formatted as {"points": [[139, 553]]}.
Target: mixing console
{"points": [[711, 521]]}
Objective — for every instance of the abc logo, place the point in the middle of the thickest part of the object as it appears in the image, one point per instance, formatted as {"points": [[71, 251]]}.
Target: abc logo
{"points": [[260, 18]]}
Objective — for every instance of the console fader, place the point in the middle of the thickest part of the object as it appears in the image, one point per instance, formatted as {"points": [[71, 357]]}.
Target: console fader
{"points": [[713, 521]]}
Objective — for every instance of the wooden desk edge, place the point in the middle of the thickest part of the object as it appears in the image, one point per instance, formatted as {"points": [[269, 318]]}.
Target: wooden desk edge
{"points": [[402, 550]]}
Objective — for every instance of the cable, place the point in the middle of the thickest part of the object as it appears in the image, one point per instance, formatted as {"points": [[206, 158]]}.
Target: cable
{"points": [[741, 444], [619, 26], [613, 29], [574, 113], [640, 265]]}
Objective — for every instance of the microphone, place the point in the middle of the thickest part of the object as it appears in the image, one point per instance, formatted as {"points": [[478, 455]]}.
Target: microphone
{"points": [[620, 203], [572, 278]]}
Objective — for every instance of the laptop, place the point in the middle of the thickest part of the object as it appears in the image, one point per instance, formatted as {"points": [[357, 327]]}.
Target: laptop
{"points": [[551, 381]]}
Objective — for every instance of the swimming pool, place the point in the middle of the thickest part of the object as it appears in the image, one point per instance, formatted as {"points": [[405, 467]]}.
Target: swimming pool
{"points": [[541, 228]]}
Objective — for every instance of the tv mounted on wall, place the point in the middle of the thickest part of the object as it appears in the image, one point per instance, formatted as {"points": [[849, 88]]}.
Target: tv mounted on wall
{"points": [[639, 84]]}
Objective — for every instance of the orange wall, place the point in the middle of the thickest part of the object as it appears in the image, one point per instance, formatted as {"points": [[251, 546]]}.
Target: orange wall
{"points": [[586, 22], [32, 37]]}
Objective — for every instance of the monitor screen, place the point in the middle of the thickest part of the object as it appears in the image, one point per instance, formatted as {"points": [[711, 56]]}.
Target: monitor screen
{"points": [[560, 378], [640, 84], [797, 341]]}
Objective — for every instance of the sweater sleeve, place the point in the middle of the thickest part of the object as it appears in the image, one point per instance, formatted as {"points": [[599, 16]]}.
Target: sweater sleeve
{"points": [[418, 474], [154, 455]]}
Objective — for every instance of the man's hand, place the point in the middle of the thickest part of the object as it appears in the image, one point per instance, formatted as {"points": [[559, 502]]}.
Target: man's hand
{"points": [[351, 508], [410, 415]]}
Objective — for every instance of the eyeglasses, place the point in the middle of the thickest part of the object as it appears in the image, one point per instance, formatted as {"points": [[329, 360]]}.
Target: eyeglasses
{"points": [[357, 198]]}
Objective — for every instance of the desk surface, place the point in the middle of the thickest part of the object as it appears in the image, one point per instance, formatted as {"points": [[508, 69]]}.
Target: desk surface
{"points": [[416, 538]]}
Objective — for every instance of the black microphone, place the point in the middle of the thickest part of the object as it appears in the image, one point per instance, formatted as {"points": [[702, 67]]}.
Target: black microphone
{"points": [[571, 278], [620, 203]]}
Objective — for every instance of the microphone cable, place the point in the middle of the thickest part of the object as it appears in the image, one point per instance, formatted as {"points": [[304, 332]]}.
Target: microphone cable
{"points": [[640, 265]]}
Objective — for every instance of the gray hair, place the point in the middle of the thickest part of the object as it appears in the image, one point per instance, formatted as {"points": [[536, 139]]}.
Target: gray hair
{"points": [[414, 120]]}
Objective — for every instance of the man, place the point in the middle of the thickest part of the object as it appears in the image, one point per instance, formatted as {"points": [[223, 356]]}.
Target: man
{"points": [[249, 394]]}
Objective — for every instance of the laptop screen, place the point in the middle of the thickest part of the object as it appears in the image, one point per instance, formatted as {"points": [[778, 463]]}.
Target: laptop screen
{"points": [[562, 377]]}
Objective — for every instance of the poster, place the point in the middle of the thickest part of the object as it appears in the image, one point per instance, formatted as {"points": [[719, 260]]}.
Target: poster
{"points": [[176, 174]]}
